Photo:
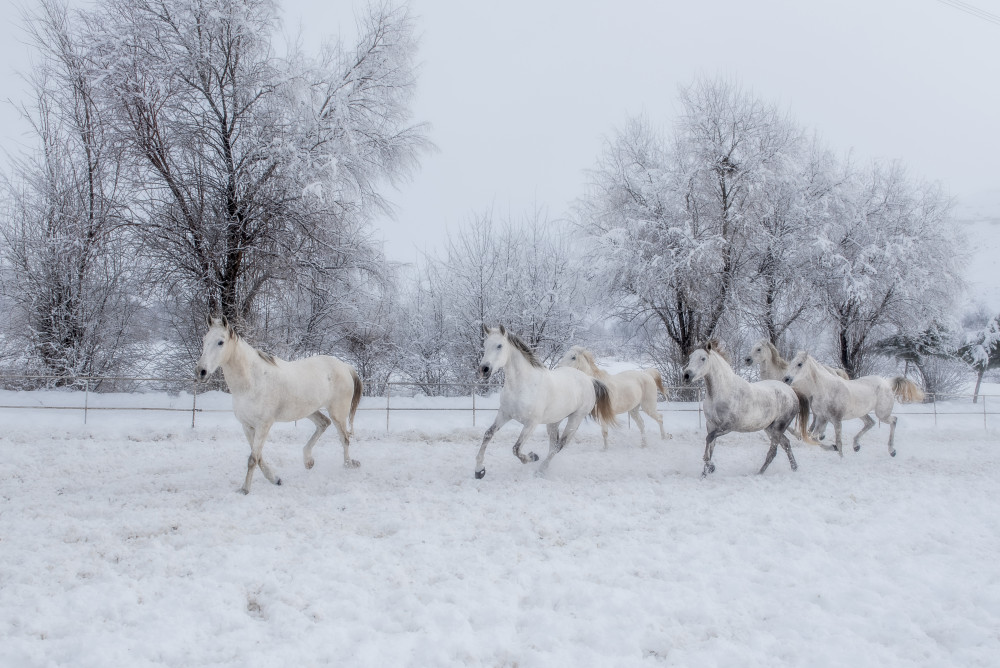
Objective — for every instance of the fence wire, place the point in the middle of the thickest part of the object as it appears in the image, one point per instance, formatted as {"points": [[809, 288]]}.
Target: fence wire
{"points": [[78, 391]]}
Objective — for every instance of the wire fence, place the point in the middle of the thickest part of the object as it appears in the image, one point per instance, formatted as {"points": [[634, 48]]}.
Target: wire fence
{"points": [[80, 393]]}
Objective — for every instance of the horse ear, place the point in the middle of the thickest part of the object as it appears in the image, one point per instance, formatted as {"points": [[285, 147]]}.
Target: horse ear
{"points": [[708, 347], [503, 331], [486, 330]]}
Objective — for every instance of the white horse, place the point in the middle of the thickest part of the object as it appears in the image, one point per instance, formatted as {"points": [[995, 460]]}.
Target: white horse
{"points": [[733, 404], [834, 399], [630, 390], [772, 366], [534, 395], [266, 390]]}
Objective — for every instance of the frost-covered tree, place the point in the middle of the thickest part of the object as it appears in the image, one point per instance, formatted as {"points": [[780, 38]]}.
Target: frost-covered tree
{"points": [[695, 232], [255, 170], [519, 273], [71, 267], [981, 350], [886, 260]]}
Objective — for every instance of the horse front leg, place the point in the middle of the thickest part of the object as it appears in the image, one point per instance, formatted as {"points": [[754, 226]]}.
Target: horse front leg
{"points": [[838, 444], [322, 422], [779, 437], [710, 449], [869, 423], [500, 421], [256, 436]]}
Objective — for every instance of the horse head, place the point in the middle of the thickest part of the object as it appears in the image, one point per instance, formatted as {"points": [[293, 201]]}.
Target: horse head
{"points": [[758, 353], [580, 358], [796, 367], [496, 351], [214, 347], [698, 365]]}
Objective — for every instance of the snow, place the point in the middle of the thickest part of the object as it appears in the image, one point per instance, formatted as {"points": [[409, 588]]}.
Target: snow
{"points": [[124, 542]]}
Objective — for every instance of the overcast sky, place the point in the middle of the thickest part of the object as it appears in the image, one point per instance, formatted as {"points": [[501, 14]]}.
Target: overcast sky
{"points": [[521, 94]]}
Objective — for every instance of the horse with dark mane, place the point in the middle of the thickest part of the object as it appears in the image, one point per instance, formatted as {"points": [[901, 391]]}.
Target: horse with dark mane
{"points": [[533, 395]]}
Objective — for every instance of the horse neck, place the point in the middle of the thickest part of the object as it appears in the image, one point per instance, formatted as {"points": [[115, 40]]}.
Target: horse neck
{"points": [[721, 379], [775, 361], [518, 369], [238, 366]]}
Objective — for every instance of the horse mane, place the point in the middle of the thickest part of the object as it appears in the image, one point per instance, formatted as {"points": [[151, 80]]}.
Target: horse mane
{"points": [[266, 356], [521, 346], [587, 355], [776, 358]]}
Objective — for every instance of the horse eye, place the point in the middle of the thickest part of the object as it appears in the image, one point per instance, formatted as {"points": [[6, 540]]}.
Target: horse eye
{"points": [[799, 364], [499, 346], [220, 343]]}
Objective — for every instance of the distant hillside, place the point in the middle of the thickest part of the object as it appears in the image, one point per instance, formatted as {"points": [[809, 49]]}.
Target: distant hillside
{"points": [[979, 219]]}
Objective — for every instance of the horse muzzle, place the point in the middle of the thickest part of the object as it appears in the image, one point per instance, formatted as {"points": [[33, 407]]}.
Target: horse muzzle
{"points": [[484, 371], [748, 361], [201, 373], [788, 380], [687, 376]]}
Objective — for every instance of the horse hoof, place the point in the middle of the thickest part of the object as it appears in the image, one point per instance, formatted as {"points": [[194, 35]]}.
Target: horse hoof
{"points": [[532, 457], [892, 453], [480, 474], [243, 490], [278, 481], [795, 467], [857, 448], [310, 463], [352, 464]]}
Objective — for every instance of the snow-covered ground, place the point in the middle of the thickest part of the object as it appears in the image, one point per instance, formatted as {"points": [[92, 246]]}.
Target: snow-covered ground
{"points": [[124, 542]]}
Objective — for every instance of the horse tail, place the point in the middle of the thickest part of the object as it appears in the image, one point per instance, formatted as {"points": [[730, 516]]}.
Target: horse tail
{"points": [[603, 412], [906, 390], [804, 420], [356, 399], [658, 379]]}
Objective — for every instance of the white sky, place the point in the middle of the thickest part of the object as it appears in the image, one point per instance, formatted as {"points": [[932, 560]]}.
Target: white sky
{"points": [[522, 93]]}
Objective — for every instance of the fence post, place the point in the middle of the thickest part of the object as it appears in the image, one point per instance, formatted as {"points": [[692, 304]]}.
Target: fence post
{"points": [[699, 407], [934, 404], [473, 405], [86, 398], [194, 401], [388, 391], [984, 412]]}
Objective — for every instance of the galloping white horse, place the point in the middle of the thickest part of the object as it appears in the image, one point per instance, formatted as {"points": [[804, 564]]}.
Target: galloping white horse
{"points": [[773, 367], [630, 390], [733, 404], [266, 390], [534, 395], [834, 399]]}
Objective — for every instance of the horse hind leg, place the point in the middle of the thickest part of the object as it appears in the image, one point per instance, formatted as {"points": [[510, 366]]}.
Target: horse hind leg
{"points": [[869, 423], [649, 408], [634, 414], [322, 422], [892, 435], [341, 424], [572, 424], [774, 433]]}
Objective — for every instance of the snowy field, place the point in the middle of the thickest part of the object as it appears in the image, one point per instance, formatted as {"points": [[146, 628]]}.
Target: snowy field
{"points": [[123, 542]]}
